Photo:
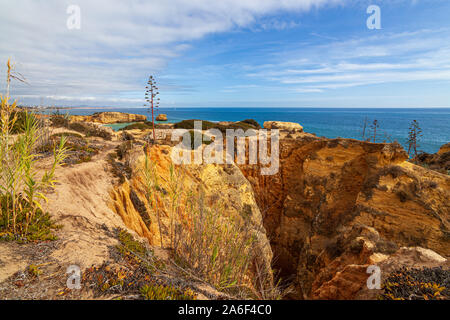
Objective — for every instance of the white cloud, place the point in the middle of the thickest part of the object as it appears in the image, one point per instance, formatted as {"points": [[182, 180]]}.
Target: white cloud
{"points": [[120, 42], [414, 56]]}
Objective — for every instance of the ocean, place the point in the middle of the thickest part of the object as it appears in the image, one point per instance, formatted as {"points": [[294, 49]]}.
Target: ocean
{"points": [[329, 122]]}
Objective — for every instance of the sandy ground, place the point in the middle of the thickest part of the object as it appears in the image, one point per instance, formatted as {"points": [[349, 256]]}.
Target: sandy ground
{"points": [[79, 204]]}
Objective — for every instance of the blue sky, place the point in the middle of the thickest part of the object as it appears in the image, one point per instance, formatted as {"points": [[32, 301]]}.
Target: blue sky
{"points": [[292, 53]]}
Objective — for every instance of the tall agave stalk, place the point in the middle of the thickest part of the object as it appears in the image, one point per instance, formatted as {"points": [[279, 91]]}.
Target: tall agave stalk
{"points": [[21, 190], [151, 93]]}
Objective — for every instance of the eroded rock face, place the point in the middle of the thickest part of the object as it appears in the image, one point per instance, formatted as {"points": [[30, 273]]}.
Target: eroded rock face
{"points": [[439, 161], [109, 117], [220, 184], [339, 205], [444, 149], [335, 207], [161, 117]]}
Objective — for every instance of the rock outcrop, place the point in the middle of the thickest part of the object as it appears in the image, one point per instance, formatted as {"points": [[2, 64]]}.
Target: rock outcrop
{"points": [[109, 118], [161, 117], [439, 161], [289, 126], [339, 205], [444, 149]]}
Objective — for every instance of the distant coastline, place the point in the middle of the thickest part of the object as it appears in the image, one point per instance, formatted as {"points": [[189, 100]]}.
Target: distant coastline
{"points": [[327, 122]]}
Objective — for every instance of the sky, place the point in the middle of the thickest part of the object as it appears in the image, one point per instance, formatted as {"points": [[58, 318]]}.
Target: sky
{"points": [[229, 53]]}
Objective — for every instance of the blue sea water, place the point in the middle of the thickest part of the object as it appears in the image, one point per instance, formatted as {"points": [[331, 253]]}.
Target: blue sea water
{"points": [[329, 122]]}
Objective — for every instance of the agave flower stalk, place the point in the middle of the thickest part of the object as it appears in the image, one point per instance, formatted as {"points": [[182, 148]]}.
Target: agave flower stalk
{"points": [[152, 100]]}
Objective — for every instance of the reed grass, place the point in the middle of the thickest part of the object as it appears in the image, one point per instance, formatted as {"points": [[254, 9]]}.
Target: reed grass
{"points": [[22, 190]]}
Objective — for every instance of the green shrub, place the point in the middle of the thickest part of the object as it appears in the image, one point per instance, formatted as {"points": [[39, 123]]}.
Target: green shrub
{"points": [[32, 224], [138, 125], [163, 292], [192, 134], [19, 124], [147, 125], [206, 125], [252, 123], [91, 130], [417, 284]]}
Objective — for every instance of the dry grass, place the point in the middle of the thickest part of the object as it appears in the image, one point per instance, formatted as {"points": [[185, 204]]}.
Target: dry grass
{"points": [[208, 244]]}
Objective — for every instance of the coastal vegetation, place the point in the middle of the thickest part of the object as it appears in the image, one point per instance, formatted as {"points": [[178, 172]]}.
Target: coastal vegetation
{"points": [[417, 284], [208, 244], [207, 227], [144, 278], [206, 125], [21, 189]]}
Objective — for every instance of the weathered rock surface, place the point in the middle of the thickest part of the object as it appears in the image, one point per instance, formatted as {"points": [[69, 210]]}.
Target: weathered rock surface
{"points": [[439, 161], [444, 149], [339, 205], [161, 117], [289, 126], [109, 117], [220, 184]]}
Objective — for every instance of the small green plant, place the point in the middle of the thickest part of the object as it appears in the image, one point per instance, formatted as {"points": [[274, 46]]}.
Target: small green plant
{"points": [[162, 292], [141, 277], [38, 227], [20, 122], [417, 284], [34, 271], [128, 244], [137, 253]]}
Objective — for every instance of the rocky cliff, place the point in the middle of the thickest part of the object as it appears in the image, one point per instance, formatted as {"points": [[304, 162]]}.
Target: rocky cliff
{"points": [[335, 207], [439, 161], [109, 117], [339, 205], [219, 185]]}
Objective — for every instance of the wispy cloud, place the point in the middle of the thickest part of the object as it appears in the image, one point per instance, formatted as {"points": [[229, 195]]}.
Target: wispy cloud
{"points": [[416, 56], [120, 42]]}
